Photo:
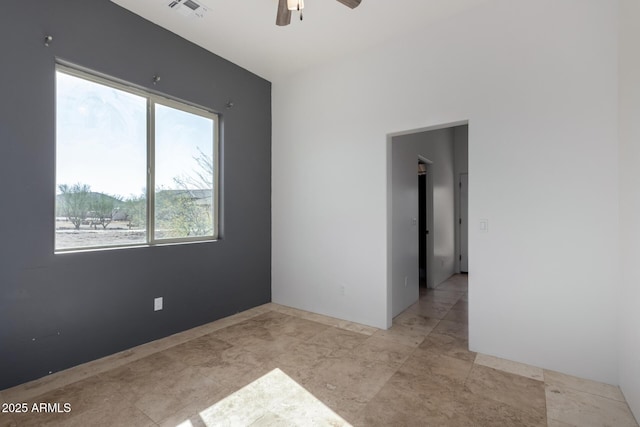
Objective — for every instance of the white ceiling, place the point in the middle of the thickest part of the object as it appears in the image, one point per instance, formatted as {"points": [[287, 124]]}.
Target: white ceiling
{"points": [[244, 31]]}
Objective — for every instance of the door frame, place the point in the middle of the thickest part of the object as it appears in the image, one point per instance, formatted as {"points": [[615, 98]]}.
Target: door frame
{"points": [[463, 222], [389, 213]]}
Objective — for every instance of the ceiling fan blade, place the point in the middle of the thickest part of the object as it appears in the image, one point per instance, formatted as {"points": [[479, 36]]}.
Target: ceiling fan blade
{"points": [[351, 3], [284, 14]]}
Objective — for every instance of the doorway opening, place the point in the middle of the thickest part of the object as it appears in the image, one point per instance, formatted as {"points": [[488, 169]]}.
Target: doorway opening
{"points": [[425, 237]]}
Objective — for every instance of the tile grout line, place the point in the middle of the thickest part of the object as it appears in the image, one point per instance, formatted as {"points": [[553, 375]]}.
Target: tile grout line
{"points": [[589, 393]]}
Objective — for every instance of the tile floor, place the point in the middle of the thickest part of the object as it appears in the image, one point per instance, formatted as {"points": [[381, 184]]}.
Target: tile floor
{"points": [[277, 366]]}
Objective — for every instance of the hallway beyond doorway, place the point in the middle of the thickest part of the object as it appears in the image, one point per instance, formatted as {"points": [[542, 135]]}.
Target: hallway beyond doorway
{"points": [[443, 383]]}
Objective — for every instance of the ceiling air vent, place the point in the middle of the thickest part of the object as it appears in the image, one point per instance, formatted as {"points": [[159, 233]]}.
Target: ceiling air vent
{"points": [[189, 8]]}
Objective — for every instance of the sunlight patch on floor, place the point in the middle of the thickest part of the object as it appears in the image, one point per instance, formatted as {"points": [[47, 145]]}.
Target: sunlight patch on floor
{"points": [[273, 399]]}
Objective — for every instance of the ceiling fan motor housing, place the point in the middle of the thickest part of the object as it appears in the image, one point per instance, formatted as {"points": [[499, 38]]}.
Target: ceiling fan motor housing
{"points": [[285, 7]]}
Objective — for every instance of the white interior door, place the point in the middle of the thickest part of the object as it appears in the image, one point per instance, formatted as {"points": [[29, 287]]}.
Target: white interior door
{"points": [[464, 223]]}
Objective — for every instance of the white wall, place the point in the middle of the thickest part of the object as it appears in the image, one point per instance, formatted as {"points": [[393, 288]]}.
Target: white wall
{"points": [[630, 201], [538, 83], [437, 147]]}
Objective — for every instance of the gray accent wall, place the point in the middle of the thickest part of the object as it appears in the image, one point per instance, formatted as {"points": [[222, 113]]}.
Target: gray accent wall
{"points": [[57, 311]]}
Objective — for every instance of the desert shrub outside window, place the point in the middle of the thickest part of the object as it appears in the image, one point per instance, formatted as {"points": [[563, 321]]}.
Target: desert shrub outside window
{"points": [[132, 168]]}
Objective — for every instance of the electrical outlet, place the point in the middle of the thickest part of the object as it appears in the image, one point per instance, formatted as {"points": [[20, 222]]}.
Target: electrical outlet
{"points": [[342, 290], [157, 304], [406, 281]]}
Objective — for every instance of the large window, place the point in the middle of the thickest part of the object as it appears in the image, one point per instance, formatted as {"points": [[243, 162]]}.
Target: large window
{"points": [[132, 168]]}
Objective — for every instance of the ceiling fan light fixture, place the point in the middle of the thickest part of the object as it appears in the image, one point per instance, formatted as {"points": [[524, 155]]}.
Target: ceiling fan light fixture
{"points": [[295, 4]]}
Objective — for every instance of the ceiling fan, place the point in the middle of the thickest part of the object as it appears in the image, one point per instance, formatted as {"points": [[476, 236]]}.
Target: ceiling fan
{"points": [[286, 6]]}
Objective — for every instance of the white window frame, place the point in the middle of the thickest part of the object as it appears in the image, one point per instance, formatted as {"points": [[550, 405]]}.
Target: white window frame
{"points": [[152, 100]]}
